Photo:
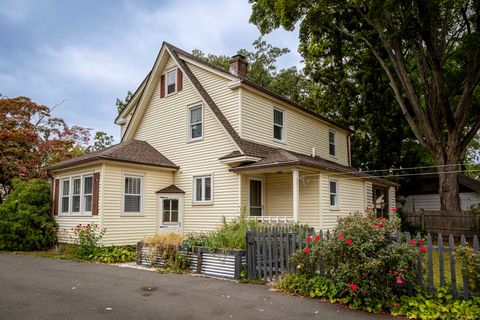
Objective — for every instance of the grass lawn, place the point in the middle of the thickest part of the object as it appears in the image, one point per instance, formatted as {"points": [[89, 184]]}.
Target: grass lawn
{"points": [[436, 270], [62, 251]]}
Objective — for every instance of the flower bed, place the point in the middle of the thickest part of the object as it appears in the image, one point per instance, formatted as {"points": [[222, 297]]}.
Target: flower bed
{"points": [[215, 263]]}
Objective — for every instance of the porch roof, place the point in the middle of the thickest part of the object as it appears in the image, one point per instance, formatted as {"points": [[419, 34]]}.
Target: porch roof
{"points": [[277, 157], [131, 151], [171, 189]]}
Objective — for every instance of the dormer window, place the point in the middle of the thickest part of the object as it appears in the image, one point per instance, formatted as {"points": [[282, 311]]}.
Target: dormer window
{"points": [[331, 143], [171, 81], [278, 124]]}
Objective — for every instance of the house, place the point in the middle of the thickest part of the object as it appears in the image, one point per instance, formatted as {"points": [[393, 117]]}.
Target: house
{"points": [[421, 193], [198, 144]]}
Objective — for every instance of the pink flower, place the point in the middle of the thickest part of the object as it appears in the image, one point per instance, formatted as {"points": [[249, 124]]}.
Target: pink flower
{"points": [[394, 209], [383, 219], [348, 242], [395, 273], [420, 241], [413, 242], [354, 287], [306, 250], [379, 225], [340, 236], [399, 281], [423, 249], [308, 239], [317, 238]]}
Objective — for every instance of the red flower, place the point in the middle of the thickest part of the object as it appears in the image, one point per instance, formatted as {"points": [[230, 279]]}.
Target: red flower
{"points": [[340, 236], [379, 225], [348, 242], [306, 250], [420, 241], [413, 242], [383, 219], [317, 238], [308, 239], [399, 281], [423, 249], [354, 287], [355, 294], [394, 209], [395, 273]]}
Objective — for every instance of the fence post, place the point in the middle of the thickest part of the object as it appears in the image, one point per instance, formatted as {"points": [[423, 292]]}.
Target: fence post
{"points": [[139, 252], [431, 287], [275, 252], [466, 295], [250, 256], [440, 260], [282, 231], [453, 275]]}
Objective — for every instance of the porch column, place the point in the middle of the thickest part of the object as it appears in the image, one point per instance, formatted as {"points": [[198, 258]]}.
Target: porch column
{"points": [[296, 194]]}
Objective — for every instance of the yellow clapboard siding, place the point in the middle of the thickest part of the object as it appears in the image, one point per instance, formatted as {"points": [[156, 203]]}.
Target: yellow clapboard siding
{"points": [[302, 131]]}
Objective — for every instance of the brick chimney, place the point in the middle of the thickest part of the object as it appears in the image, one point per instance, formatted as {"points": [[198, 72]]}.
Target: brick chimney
{"points": [[238, 66]]}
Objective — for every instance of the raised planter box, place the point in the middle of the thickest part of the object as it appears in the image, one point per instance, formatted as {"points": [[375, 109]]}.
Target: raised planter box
{"points": [[213, 263]]}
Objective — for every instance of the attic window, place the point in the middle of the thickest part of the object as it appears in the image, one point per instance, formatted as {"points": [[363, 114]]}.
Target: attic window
{"points": [[331, 143], [278, 125], [171, 81]]}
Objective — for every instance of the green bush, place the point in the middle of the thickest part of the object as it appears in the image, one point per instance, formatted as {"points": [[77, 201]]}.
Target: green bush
{"points": [[441, 305], [361, 258], [230, 235], [470, 262], [115, 254], [26, 222]]}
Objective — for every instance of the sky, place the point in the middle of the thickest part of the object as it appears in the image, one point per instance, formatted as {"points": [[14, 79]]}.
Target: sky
{"points": [[88, 53]]}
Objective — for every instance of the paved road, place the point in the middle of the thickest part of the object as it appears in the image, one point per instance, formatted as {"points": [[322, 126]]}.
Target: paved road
{"points": [[40, 288]]}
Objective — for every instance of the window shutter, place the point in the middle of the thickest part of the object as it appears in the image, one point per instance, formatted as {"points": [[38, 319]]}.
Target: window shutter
{"points": [[162, 86], [179, 80], [55, 190], [96, 190]]}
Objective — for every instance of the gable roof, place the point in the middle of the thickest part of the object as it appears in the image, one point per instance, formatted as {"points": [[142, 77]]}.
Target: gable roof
{"points": [[171, 189], [132, 151], [427, 182]]}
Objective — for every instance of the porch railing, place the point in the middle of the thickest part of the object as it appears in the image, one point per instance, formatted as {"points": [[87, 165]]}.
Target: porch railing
{"points": [[272, 219]]}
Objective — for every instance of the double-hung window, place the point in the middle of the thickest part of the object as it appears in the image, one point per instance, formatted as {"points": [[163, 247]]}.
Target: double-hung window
{"points": [[334, 193], [65, 195], [171, 81], [76, 194], [278, 124], [133, 189], [87, 193], [202, 189], [195, 122], [331, 143]]}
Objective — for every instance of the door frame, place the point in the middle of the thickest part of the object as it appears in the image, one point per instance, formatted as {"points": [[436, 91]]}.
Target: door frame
{"points": [[181, 209], [262, 191]]}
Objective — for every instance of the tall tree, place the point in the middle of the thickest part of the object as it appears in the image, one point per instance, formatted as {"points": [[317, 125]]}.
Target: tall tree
{"points": [[101, 140], [30, 139], [429, 51], [121, 104]]}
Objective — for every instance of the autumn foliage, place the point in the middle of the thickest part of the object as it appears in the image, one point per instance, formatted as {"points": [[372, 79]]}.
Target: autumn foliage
{"points": [[31, 138]]}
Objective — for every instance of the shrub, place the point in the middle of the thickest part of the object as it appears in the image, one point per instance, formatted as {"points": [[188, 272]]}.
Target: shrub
{"points": [[115, 254], [168, 246], [26, 222], [88, 239], [361, 258], [470, 262]]}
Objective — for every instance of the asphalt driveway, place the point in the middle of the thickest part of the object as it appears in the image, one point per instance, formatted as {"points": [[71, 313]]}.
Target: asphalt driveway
{"points": [[41, 288]]}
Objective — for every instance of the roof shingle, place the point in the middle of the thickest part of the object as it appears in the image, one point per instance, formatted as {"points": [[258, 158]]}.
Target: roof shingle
{"points": [[133, 151]]}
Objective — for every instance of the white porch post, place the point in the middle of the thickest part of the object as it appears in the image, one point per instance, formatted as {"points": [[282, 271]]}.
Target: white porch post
{"points": [[296, 194]]}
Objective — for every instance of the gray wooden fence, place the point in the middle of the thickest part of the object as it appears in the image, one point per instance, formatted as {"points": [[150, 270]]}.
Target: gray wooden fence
{"points": [[269, 250], [445, 223]]}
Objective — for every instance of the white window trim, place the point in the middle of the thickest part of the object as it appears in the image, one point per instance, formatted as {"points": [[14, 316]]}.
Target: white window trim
{"points": [[337, 205], [70, 213], [142, 194], [82, 202], [194, 192], [284, 131], [334, 143], [189, 123], [166, 81]]}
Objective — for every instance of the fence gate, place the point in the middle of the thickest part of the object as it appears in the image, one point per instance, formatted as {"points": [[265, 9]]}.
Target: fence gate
{"points": [[269, 249]]}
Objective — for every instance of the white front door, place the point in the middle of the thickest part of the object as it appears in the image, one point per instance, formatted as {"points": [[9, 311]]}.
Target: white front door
{"points": [[170, 215]]}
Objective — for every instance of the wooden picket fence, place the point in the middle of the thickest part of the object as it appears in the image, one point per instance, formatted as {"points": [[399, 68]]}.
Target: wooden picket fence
{"points": [[269, 250]]}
